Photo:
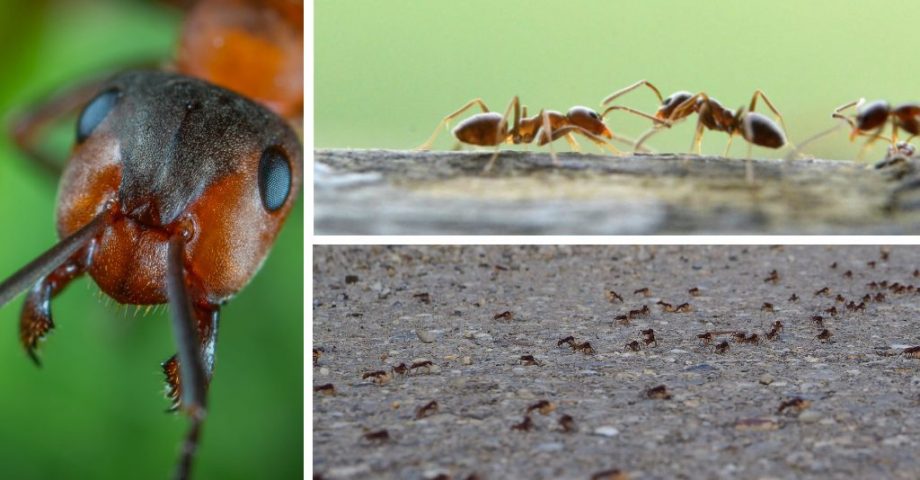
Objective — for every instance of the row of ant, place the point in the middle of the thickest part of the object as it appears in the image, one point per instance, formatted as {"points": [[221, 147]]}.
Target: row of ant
{"points": [[492, 129]]}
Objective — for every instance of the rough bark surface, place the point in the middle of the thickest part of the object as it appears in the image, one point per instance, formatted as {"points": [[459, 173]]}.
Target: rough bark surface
{"points": [[407, 192]]}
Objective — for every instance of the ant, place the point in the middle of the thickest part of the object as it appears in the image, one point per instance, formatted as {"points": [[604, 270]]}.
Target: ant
{"points": [[658, 393], [840, 299], [832, 311], [912, 352], [545, 407], [752, 339], [379, 377], [143, 209], [567, 423], [622, 319], [570, 341], [613, 296], [793, 298], [794, 405], [526, 425], [490, 129], [506, 315], [528, 360], [633, 345], [426, 364], [684, 308], [767, 307], [378, 436], [824, 336], [644, 291], [818, 320], [423, 297], [694, 292], [401, 369], [757, 129], [705, 338], [327, 389], [772, 278], [612, 474], [427, 410], [585, 348], [873, 116], [649, 337], [824, 291], [666, 307], [722, 347], [317, 353]]}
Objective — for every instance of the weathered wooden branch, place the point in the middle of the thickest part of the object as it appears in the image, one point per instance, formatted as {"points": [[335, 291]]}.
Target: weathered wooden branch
{"points": [[408, 192]]}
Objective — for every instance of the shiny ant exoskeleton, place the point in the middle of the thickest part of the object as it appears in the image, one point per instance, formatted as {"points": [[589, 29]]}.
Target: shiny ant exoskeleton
{"points": [[491, 129], [871, 118]]}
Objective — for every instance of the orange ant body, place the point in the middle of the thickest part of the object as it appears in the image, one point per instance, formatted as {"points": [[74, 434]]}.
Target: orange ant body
{"points": [[491, 129]]}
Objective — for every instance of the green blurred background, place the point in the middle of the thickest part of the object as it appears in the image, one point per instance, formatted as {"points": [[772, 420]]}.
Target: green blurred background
{"points": [[96, 407], [387, 72]]}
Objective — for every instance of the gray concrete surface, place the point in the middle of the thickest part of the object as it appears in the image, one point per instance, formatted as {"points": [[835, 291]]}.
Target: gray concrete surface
{"points": [[722, 419], [400, 192]]}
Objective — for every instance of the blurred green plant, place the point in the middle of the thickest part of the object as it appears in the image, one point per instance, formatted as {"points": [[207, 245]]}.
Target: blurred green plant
{"points": [[387, 72], [96, 409]]}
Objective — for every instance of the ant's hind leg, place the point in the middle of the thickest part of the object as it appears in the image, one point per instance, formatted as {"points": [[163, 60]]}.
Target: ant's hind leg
{"points": [[697, 146], [637, 146], [502, 126], [446, 120], [759, 93]]}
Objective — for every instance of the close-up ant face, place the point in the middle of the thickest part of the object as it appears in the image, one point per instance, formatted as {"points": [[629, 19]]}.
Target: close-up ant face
{"points": [[589, 120], [170, 175]]}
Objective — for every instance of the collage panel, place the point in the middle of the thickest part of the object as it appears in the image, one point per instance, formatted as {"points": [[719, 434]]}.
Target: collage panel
{"points": [[613, 118], [603, 362], [152, 263]]}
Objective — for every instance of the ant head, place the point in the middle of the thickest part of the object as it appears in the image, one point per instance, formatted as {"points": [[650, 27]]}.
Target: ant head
{"points": [[254, 48], [871, 116], [669, 104], [169, 154], [760, 130], [589, 120]]}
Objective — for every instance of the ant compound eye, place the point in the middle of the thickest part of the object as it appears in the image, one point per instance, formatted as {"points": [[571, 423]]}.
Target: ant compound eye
{"points": [[95, 112], [274, 178], [594, 115]]}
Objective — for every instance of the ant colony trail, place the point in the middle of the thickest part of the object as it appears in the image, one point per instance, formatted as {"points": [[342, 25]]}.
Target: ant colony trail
{"points": [[616, 362]]}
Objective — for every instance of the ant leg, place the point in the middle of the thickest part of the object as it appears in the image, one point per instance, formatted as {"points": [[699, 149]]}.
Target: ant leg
{"points": [[36, 321], [515, 105], [570, 129], [759, 93], [645, 136], [657, 121], [547, 136], [874, 138], [573, 144], [630, 88], [191, 367], [794, 153], [28, 126], [697, 145], [728, 146], [446, 120]]}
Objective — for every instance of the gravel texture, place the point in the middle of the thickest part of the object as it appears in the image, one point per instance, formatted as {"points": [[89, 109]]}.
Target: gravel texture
{"points": [[851, 405]]}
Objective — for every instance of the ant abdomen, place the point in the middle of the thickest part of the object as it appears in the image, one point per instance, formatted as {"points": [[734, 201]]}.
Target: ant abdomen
{"points": [[873, 115], [481, 129], [761, 130]]}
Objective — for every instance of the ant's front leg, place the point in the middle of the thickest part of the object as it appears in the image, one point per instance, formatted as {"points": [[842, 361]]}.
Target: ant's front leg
{"points": [[36, 321], [613, 96], [27, 127]]}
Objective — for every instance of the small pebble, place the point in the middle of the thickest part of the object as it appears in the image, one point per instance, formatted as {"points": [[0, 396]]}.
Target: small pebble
{"points": [[809, 416], [766, 379], [606, 431], [425, 336], [466, 360], [323, 371]]}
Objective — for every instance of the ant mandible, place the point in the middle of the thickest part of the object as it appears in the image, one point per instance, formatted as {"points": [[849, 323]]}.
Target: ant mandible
{"points": [[176, 187], [491, 129], [873, 116]]}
